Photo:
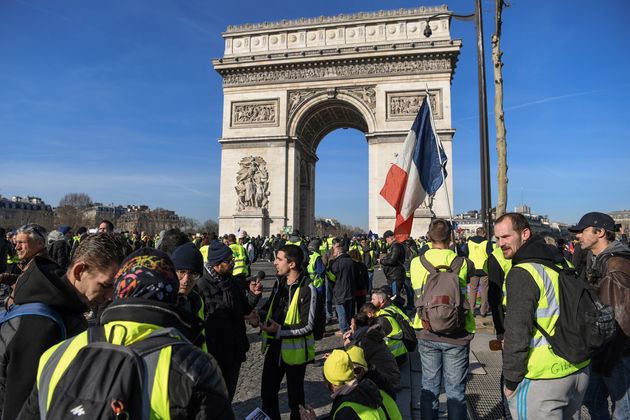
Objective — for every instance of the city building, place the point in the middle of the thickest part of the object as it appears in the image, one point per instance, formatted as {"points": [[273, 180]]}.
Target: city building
{"points": [[17, 211]]}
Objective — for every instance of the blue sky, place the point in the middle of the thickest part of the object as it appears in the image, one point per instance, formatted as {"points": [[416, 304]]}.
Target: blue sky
{"points": [[119, 99]]}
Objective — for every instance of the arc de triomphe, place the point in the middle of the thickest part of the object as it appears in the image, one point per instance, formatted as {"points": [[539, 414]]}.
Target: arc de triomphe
{"points": [[287, 84]]}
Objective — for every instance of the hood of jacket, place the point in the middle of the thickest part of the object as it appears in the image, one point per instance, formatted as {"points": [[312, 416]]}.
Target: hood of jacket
{"points": [[536, 250], [365, 393], [151, 312], [44, 281], [477, 239], [615, 248]]}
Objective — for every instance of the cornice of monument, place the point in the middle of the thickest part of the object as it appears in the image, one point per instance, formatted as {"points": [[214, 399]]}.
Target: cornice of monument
{"points": [[396, 62], [341, 18]]}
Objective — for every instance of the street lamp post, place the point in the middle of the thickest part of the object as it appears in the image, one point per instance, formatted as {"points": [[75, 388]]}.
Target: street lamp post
{"points": [[486, 200]]}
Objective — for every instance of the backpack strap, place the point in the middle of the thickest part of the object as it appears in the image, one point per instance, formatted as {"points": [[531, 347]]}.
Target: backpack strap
{"points": [[436, 269], [36, 309], [456, 265]]}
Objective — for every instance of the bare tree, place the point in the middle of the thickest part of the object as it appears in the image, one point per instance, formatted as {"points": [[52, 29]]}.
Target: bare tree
{"points": [[78, 200], [499, 116], [210, 226]]}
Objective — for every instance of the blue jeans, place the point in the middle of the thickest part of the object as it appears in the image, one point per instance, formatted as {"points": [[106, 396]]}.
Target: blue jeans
{"points": [[370, 281], [344, 314], [448, 363], [617, 386]]}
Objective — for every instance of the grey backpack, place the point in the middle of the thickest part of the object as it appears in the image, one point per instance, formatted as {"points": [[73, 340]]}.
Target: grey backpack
{"points": [[442, 306]]}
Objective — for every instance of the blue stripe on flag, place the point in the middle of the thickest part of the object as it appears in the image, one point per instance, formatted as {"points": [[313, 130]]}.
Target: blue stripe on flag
{"points": [[425, 153]]}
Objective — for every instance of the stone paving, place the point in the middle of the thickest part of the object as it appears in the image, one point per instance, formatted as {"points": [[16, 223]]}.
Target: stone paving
{"points": [[483, 395]]}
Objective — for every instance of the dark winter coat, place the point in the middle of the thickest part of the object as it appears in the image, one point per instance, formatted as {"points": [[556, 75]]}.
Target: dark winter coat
{"points": [[24, 339], [393, 263], [226, 303], [196, 389], [59, 251], [343, 269], [366, 393], [377, 355]]}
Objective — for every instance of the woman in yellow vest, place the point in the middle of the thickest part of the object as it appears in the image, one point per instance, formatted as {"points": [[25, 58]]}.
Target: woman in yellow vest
{"points": [[353, 398], [287, 330]]}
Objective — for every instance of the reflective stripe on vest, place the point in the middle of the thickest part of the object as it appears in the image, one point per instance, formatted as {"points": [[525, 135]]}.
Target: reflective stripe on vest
{"points": [[55, 361], [478, 254], [394, 338], [317, 281], [542, 362], [363, 412], [419, 276], [240, 258], [294, 351]]}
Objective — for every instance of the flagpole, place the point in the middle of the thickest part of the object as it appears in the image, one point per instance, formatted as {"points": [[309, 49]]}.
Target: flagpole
{"points": [[437, 145]]}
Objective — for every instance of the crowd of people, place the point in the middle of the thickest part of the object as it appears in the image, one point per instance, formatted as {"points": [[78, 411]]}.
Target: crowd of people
{"points": [[110, 324]]}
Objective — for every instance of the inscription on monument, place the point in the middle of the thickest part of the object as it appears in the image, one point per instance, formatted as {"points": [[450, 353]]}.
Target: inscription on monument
{"points": [[405, 105], [255, 113], [252, 184]]}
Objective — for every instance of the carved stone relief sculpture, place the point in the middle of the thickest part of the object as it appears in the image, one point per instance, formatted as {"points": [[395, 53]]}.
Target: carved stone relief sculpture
{"points": [[252, 183], [254, 113]]}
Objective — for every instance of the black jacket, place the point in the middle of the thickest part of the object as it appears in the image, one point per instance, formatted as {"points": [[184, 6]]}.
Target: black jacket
{"points": [[377, 355], [522, 302], [496, 278], [343, 269], [393, 263], [59, 251], [24, 339], [196, 389], [226, 303]]}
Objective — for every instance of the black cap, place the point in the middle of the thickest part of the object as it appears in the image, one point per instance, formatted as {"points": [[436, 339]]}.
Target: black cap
{"points": [[387, 234], [594, 219]]}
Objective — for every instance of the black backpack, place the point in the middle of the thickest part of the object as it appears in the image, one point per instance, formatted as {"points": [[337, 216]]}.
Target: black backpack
{"points": [[585, 324], [409, 334], [104, 380]]}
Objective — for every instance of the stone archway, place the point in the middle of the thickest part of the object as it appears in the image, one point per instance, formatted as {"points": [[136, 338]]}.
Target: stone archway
{"points": [[288, 84]]}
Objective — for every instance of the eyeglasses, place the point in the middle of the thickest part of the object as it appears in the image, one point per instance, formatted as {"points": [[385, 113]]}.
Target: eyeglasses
{"points": [[191, 275]]}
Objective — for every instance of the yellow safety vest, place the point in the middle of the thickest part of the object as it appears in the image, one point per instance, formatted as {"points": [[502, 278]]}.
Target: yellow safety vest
{"points": [[13, 259], [419, 276], [323, 248], [204, 252], [56, 360], [506, 266], [387, 410], [371, 266], [294, 350], [296, 243], [240, 260], [542, 362], [478, 254], [394, 338], [317, 280]]}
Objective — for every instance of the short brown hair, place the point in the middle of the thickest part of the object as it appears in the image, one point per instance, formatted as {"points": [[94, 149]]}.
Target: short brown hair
{"points": [[101, 250], [519, 222], [440, 231]]}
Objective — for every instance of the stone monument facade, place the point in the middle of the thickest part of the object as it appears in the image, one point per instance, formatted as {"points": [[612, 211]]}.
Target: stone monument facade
{"points": [[287, 84]]}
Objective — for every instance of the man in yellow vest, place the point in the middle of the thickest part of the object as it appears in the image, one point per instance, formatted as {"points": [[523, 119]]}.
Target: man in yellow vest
{"points": [[287, 320], [442, 355], [241, 261], [498, 268], [538, 384], [185, 379], [479, 248]]}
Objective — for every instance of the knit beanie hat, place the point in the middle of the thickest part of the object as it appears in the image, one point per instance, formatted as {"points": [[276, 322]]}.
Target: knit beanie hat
{"points": [[188, 257], [338, 368], [217, 253], [148, 274], [357, 356]]}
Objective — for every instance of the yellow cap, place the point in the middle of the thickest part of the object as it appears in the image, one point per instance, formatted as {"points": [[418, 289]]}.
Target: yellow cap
{"points": [[357, 356], [338, 368]]}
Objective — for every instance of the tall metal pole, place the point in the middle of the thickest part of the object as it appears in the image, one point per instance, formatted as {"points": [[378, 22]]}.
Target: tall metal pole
{"points": [[486, 197]]}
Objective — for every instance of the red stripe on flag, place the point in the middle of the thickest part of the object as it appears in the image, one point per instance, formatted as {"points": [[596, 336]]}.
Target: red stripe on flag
{"points": [[403, 227], [394, 188]]}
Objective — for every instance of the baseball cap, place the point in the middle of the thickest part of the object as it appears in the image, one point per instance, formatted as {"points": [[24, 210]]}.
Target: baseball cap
{"points": [[338, 368], [594, 219]]}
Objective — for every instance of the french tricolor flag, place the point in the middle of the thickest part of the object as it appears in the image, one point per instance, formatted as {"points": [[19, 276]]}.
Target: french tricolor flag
{"points": [[419, 171]]}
